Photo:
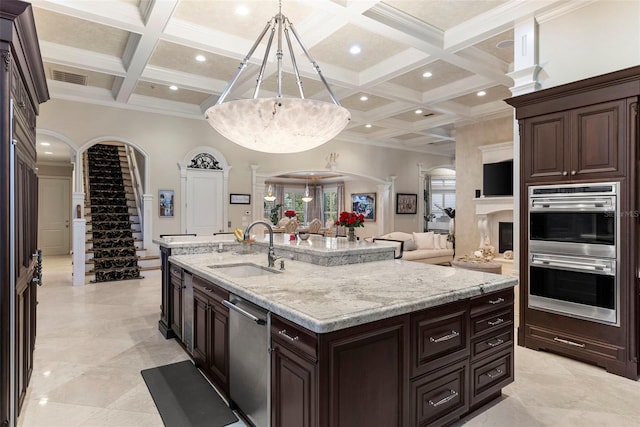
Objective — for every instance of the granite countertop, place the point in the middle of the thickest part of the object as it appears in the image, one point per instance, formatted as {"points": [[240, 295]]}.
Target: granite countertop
{"points": [[327, 251], [324, 299]]}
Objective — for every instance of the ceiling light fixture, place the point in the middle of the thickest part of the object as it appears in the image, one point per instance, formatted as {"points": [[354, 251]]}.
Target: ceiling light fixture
{"points": [[277, 124], [242, 10], [418, 111], [355, 49], [427, 74], [201, 58], [173, 87], [364, 98], [367, 125], [48, 152], [481, 93], [306, 198], [270, 197], [45, 144]]}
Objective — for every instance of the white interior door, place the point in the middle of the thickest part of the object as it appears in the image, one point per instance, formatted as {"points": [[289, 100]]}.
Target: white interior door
{"points": [[54, 214], [205, 201]]}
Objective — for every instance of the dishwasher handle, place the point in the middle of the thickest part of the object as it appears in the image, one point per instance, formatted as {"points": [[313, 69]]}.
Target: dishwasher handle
{"points": [[245, 313]]}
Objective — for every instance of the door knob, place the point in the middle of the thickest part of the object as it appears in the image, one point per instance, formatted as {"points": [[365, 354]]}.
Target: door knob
{"points": [[564, 173]]}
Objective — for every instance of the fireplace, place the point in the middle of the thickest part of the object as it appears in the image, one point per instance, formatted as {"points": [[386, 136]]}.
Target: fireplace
{"points": [[505, 236]]}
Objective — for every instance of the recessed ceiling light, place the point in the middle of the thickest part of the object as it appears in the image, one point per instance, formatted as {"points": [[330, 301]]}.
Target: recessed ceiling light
{"points": [[418, 111], [200, 58], [504, 44], [173, 87], [364, 98], [481, 93], [45, 144], [48, 152], [427, 74], [355, 49], [242, 10], [367, 125]]}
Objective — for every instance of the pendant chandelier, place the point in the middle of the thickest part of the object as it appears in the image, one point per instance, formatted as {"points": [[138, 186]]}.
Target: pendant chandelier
{"points": [[270, 197], [277, 124], [306, 198]]}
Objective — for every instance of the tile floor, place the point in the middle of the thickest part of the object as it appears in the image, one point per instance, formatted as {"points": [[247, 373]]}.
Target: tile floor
{"points": [[94, 340]]}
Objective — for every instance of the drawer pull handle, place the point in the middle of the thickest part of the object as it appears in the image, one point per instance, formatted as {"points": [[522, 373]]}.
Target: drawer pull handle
{"points": [[287, 336], [448, 337], [563, 341], [495, 373], [496, 322], [495, 343], [208, 290], [452, 395], [496, 301]]}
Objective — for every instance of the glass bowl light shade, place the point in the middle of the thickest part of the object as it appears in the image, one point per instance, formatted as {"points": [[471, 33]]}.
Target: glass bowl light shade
{"points": [[278, 125]]}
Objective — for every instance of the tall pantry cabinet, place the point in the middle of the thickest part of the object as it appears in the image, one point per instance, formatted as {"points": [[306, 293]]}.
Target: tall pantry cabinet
{"points": [[578, 133], [24, 87]]}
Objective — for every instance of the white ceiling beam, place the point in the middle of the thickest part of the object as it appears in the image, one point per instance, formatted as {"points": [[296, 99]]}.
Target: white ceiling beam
{"points": [[157, 19]]}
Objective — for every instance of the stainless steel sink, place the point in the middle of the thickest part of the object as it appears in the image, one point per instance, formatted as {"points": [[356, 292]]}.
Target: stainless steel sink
{"points": [[243, 269]]}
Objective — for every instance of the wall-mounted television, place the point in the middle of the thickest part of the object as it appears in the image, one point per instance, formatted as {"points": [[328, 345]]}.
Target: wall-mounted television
{"points": [[497, 178]]}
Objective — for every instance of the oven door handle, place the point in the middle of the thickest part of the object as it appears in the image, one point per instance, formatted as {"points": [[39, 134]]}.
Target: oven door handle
{"points": [[574, 265], [598, 205]]}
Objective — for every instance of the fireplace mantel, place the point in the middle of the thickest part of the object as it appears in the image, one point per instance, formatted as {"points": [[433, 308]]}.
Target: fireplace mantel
{"points": [[489, 205]]}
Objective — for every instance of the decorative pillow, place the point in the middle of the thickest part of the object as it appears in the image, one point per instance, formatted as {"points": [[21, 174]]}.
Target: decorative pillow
{"points": [[409, 245], [424, 240]]}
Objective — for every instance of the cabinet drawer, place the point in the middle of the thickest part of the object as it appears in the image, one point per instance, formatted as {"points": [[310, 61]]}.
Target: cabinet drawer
{"points": [[438, 338], [294, 336], [440, 397], [492, 321], [210, 289], [489, 344], [493, 301], [575, 345], [490, 375]]}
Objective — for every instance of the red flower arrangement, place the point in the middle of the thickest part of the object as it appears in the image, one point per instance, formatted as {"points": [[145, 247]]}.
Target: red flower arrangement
{"points": [[290, 213], [350, 220]]}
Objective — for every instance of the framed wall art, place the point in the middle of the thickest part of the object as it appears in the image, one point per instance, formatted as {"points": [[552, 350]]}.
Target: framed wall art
{"points": [[364, 203], [165, 205], [240, 199], [406, 203]]}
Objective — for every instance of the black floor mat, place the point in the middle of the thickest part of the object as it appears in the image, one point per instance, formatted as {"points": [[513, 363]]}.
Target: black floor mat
{"points": [[184, 397]]}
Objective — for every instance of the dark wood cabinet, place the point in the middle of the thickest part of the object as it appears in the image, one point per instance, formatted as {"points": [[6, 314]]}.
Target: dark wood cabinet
{"points": [[177, 292], [585, 132], [411, 370], [166, 303], [584, 143], [211, 332], [24, 88]]}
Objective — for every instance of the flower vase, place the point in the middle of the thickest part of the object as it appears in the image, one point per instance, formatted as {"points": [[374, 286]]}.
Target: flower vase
{"points": [[351, 235]]}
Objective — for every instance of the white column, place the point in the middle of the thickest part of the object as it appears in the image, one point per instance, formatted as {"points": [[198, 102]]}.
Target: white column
{"points": [[524, 75], [147, 223], [183, 197], [79, 232], [391, 224], [382, 213], [257, 194]]}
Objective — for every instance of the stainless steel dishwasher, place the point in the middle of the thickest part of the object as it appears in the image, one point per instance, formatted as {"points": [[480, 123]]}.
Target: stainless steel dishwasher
{"points": [[249, 362]]}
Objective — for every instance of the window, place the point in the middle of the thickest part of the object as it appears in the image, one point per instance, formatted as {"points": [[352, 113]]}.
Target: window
{"points": [[330, 204], [292, 199], [443, 195]]}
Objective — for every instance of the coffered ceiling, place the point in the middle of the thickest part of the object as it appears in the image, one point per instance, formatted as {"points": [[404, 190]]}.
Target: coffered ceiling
{"points": [[127, 54]]}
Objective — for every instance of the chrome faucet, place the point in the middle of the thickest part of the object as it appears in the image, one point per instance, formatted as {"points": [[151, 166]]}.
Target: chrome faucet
{"points": [[271, 256]]}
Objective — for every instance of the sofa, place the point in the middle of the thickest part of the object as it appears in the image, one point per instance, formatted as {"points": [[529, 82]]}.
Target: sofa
{"points": [[428, 247]]}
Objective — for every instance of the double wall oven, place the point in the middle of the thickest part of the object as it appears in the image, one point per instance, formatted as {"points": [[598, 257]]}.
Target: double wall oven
{"points": [[573, 250]]}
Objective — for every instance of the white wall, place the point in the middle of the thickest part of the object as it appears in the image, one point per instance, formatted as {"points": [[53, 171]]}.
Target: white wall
{"points": [[599, 38], [168, 139]]}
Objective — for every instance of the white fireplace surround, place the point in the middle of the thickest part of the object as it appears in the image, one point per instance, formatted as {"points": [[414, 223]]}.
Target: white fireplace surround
{"points": [[492, 210]]}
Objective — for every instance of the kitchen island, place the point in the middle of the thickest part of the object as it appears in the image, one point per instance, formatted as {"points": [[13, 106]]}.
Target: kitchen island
{"points": [[384, 343]]}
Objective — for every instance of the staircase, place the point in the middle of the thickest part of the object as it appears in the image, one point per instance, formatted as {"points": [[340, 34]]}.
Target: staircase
{"points": [[114, 235]]}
